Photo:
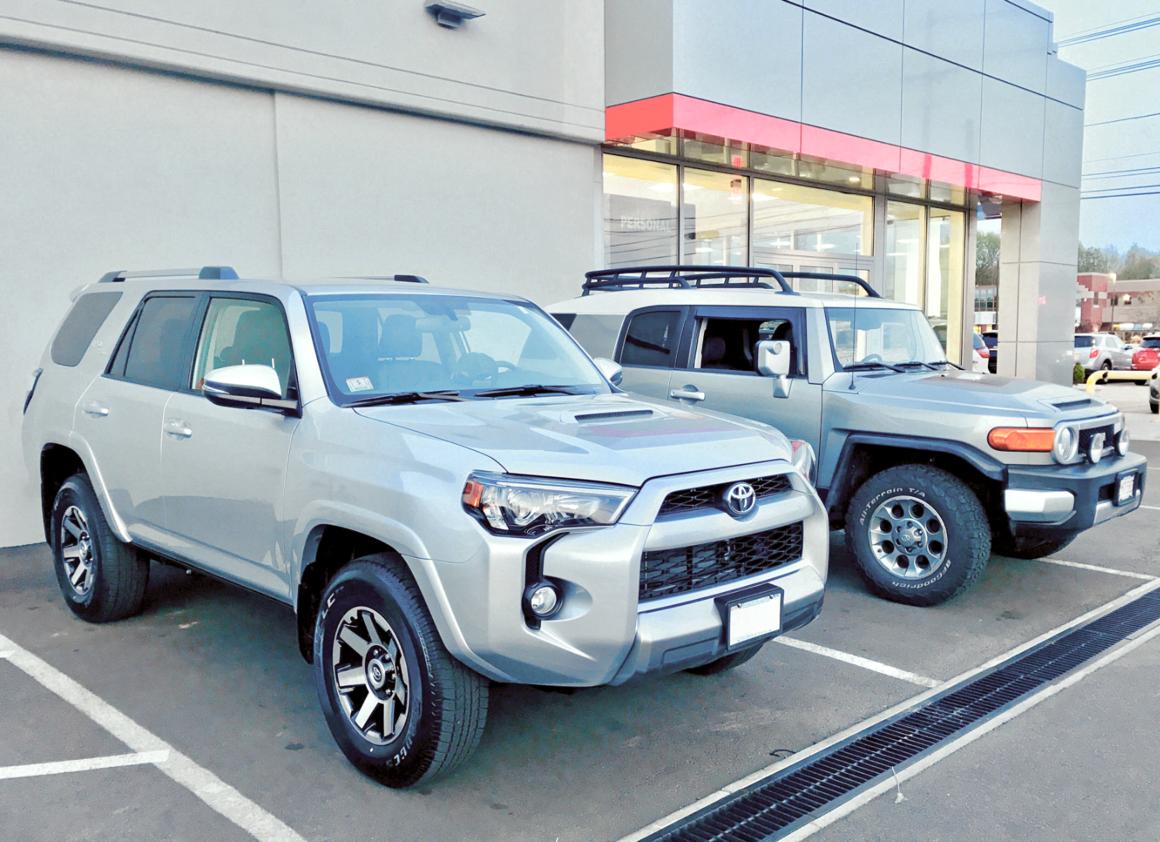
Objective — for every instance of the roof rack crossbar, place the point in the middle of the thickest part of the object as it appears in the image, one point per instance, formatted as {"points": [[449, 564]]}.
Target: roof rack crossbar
{"points": [[204, 273], [406, 279], [829, 276], [683, 277]]}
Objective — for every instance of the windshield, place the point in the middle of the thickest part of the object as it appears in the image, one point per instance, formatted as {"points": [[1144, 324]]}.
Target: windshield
{"points": [[879, 335], [388, 344]]}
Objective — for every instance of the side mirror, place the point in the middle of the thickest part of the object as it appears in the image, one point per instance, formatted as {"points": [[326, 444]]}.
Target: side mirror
{"points": [[611, 370], [773, 358], [246, 386]]}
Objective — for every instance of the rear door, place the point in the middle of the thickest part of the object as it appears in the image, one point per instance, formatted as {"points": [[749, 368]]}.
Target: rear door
{"points": [[649, 347], [120, 413]]}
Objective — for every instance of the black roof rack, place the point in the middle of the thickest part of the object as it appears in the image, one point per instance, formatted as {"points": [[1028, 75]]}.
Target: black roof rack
{"points": [[204, 273], [693, 277], [406, 279], [683, 277]]}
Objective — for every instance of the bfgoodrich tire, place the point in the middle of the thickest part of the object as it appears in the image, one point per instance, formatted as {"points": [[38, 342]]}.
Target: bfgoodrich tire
{"points": [[400, 707], [918, 534], [100, 578], [727, 662]]}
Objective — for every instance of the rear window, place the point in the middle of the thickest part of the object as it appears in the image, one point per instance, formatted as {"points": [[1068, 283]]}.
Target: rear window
{"points": [[1083, 342], [81, 325], [651, 339], [1150, 342]]}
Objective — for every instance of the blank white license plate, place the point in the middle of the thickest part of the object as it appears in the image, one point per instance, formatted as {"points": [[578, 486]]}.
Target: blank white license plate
{"points": [[1126, 489], [756, 618]]}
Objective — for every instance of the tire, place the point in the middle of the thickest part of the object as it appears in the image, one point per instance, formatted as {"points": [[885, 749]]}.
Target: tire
{"points": [[727, 662], [937, 520], [1029, 546], [100, 578], [1155, 407], [438, 717], [1106, 365]]}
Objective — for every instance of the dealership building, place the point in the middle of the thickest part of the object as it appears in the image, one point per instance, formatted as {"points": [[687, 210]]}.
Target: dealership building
{"points": [[516, 149]]}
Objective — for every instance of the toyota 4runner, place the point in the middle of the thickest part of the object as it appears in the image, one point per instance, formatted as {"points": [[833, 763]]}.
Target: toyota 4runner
{"points": [[443, 485], [925, 465]]}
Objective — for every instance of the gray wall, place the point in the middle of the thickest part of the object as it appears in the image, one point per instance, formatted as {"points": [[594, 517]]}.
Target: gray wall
{"points": [[108, 167]]}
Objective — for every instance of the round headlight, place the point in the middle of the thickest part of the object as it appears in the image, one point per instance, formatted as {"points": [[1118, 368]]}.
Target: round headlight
{"points": [[1066, 444], [1095, 451], [1123, 442]]}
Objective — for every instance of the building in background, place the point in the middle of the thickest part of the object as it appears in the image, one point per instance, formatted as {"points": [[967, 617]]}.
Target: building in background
{"points": [[528, 145], [1126, 308]]}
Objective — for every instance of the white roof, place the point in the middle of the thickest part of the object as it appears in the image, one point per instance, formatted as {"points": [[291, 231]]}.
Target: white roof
{"points": [[621, 301]]}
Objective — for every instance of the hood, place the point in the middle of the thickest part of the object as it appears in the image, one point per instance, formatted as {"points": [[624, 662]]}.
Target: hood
{"points": [[599, 438], [985, 394]]}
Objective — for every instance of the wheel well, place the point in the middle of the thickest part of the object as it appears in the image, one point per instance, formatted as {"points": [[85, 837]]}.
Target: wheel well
{"points": [[57, 463], [865, 460], [328, 549]]}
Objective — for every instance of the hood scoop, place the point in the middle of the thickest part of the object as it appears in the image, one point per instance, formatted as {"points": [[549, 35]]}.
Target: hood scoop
{"points": [[611, 415], [1072, 403]]}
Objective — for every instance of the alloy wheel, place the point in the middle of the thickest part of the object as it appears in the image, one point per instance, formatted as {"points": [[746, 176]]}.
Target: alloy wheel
{"points": [[908, 537], [370, 677], [77, 550]]}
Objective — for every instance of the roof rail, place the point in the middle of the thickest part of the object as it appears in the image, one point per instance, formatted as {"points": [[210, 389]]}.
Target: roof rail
{"points": [[406, 279], [828, 276], [683, 277], [204, 273]]}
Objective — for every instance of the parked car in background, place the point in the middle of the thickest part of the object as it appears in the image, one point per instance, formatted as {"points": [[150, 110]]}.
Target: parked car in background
{"points": [[923, 464], [1154, 396], [1148, 356], [980, 355], [991, 339], [1101, 351], [443, 485]]}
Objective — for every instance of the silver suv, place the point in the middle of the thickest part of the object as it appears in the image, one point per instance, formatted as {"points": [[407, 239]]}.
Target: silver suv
{"points": [[925, 465], [443, 485], [1101, 351]]}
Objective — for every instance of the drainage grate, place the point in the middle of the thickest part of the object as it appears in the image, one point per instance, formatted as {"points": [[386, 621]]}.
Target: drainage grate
{"points": [[792, 796]]}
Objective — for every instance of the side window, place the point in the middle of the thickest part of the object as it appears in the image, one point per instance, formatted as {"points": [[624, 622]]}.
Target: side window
{"points": [[565, 319], [81, 325], [156, 353], [651, 339], [730, 344], [238, 331]]}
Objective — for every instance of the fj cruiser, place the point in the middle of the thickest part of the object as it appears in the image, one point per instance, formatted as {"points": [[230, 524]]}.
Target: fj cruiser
{"points": [[925, 465], [444, 486]]}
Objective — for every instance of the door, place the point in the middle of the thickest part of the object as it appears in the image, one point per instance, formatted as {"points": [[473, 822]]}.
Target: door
{"points": [[223, 467], [720, 369], [648, 348], [120, 413]]}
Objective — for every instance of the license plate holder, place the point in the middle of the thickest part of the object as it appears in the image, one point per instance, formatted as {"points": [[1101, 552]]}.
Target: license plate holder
{"points": [[751, 615], [1126, 487]]}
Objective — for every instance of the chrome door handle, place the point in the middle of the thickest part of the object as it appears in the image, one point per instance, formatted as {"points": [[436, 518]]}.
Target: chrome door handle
{"points": [[687, 393], [178, 429], [95, 409]]}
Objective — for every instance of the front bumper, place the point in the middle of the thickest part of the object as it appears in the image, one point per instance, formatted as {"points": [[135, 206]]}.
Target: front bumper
{"points": [[603, 634], [1069, 499]]}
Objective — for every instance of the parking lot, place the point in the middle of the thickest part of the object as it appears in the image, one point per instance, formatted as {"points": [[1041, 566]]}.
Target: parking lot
{"points": [[205, 719]]}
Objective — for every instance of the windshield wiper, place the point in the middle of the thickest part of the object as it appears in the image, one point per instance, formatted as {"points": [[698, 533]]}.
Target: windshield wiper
{"points": [[867, 366], [947, 362], [917, 363], [408, 397], [530, 389]]}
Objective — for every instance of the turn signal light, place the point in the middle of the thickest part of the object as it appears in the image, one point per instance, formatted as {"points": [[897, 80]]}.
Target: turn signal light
{"points": [[1023, 439]]}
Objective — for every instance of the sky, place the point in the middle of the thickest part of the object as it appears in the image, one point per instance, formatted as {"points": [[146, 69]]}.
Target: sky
{"points": [[1122, 116]]}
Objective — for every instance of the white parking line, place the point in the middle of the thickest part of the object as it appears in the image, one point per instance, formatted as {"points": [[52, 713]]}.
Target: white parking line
{"points": [[871, 721], [87, 764], [207, 786], [1150, 508], [1095, 568], [858, 661]]}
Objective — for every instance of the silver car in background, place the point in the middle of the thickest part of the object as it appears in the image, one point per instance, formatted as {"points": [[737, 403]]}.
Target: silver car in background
{"points": [[442, 484], [1101, 352]]}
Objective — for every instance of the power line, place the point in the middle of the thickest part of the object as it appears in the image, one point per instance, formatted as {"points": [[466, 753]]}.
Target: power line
{"points": [[1122, 119], [1146, 63], [1119, 27], [1132, 172], [1112, 189], [1122, 195], [1122, 157]]}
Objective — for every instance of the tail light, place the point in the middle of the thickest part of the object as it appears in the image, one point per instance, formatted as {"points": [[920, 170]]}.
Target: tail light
{"points": [[1094, 353], [984, 354]]}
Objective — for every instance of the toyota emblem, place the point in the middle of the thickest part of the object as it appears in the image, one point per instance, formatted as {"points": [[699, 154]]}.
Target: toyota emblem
{"points": [[739, 499]]}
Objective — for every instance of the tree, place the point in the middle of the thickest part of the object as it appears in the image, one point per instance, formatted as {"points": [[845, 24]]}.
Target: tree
{"points": [[987, 260], [1097, 259], [1139, 264]]}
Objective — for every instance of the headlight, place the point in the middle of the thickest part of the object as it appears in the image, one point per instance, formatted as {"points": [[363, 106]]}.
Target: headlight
{"points": [[527, 506], [1066, 446], [803, 460]]}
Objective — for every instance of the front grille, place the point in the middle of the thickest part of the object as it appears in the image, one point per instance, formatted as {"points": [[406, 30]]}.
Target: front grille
{"points": [[709, 496], [676, 571], [1109, 431]]}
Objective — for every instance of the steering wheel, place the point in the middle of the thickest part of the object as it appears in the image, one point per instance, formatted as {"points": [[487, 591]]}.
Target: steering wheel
{"points": [[474, 367]]}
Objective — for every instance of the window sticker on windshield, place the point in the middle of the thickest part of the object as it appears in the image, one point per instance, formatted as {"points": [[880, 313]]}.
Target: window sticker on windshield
{"points": [[359, 384]]}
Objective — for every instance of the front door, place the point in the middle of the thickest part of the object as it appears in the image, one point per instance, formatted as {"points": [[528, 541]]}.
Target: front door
{"points": [[720, 369], [223, 467]]}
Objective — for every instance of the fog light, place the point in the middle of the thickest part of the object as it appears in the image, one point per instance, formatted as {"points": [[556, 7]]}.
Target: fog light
{"points": [[543, 600], [1096, 448], [1123, 442]]}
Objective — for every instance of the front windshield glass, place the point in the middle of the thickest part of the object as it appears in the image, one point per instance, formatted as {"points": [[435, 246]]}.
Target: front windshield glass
{"points": [[388, 344], [880, 335]]}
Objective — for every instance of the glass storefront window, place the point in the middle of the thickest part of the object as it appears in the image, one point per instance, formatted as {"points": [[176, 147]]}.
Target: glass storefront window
{"points": [[772, 162], [834, 174], [640, 211], [715, 151], [905, 185], [903, 277], [716, 208], [947, 193], [658, 144], [789, 217], [945, 253]]}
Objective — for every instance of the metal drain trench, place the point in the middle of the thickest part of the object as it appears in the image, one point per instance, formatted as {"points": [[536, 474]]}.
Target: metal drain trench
{"points": [[791, 797]]}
